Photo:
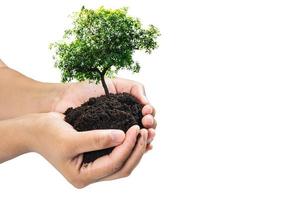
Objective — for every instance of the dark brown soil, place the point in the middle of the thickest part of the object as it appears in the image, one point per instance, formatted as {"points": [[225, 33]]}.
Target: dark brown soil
{"points": [[116, 111]]}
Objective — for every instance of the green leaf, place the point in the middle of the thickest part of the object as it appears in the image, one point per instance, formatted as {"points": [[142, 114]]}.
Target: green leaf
{"points": [[100, 39]]}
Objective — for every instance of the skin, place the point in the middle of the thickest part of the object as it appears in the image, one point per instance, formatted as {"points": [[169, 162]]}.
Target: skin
{"points": [[31, 120]]}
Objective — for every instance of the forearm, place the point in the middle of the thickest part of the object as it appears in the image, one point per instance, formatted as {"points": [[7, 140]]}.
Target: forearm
{"points": [[20, 95], [2, 64], [14, 138]]}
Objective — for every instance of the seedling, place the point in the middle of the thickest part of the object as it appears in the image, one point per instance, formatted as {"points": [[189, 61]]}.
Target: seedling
{"points": [[100, 43]]}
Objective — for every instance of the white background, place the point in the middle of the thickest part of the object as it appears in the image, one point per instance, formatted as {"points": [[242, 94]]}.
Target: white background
{"points": [[216, 81]]}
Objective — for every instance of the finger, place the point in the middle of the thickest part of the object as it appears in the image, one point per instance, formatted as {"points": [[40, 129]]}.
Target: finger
{"points": [[134, 88], [97, 139], [148, 121], [111, 163], [138, 91], [122, 85], [151, 135], [148, 110], [134, 159], [149, 148], [57, 115]]}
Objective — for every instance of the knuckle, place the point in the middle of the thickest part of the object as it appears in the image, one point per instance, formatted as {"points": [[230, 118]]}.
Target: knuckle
{"points": [[78, 185], [116, 166], [77, 182], [126, 173]]}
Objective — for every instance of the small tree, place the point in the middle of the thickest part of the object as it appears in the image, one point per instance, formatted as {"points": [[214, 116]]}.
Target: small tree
{"points": [[100, 43]]}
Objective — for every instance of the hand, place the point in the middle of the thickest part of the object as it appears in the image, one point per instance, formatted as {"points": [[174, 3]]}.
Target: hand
{"points": [[75, 94], [63, 147], [2, 64]]}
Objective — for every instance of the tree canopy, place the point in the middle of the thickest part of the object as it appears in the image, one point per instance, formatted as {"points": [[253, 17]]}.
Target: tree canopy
{"points": [[101, 42]]}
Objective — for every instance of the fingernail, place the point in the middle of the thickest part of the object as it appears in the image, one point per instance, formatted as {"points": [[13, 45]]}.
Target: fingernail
{"points": [[117, 136], [137, 128]]}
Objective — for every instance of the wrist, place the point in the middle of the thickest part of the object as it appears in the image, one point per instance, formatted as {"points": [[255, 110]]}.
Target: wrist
{"points": [[31, 125], [33, 131], [24, 95], [15, 137], [40, 132], [48, 95]]}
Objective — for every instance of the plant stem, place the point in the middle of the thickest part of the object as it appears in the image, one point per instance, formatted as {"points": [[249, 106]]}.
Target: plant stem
{"points": [[102, 75], [104, 84]]}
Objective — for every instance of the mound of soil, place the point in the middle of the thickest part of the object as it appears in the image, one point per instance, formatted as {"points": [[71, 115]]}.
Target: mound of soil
{"points": [[116, 111]]}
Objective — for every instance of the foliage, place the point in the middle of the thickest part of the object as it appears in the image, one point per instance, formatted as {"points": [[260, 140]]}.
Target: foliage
{"points": [[101, 42]]}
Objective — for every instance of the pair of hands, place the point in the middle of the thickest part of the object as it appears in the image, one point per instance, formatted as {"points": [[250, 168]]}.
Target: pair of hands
{"points": [[63, 146]]}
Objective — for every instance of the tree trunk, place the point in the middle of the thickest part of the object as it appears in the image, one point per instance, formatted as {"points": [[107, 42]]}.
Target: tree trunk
{"points": [[102, 75], [104, 84]]}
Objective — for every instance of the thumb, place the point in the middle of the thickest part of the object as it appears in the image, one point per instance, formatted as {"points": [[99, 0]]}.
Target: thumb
{"points": [[98, 139]]}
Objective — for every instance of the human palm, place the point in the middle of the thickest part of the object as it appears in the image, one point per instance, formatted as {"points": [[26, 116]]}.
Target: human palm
{"points": [[76, 94]]}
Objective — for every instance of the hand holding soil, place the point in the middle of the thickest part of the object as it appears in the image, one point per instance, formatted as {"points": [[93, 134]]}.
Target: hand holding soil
{"points": [[89, 131], [48, 134], [75, 94], [100, 43], [63, 147]]}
